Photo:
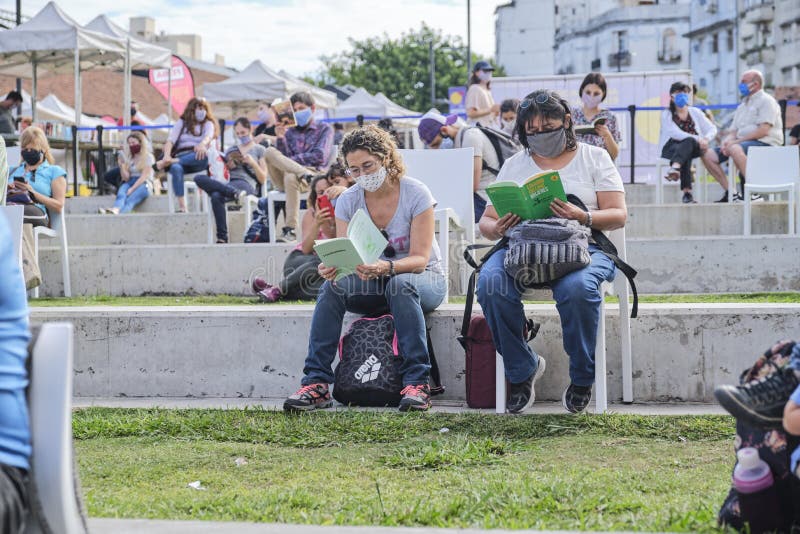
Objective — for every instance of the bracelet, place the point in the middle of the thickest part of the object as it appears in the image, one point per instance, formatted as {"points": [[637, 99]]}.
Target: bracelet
{"points": [[588, 222], [392, 272]]}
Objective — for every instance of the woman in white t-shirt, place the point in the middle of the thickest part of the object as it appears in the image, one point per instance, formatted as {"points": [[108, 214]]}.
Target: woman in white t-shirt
{"points": [[136, 171], [545, 129], [407, 280], [479, 100]]}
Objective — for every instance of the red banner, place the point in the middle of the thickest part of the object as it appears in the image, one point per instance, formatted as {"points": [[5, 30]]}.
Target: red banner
{"points": [[182, 83]]}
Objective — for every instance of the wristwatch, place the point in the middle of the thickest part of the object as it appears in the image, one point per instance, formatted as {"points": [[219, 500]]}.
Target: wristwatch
{"points": [[391, 268], [588, 219]]}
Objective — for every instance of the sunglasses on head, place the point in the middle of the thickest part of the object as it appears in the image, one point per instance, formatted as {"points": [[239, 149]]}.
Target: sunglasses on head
{"points": [[540, 99], [389, 251]]}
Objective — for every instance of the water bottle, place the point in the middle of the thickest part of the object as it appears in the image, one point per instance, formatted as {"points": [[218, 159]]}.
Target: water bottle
{"points": [[759, 501]]}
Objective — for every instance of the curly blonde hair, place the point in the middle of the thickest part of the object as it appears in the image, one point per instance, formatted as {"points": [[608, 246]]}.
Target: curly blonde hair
{"points": [[34, 137], [378, 143]]}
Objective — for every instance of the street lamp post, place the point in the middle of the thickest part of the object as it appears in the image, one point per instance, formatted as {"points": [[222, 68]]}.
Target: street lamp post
{"points": [[432, 60]]}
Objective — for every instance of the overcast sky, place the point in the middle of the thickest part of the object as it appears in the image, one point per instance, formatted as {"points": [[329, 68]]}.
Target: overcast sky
{"points": [[287, 34]]}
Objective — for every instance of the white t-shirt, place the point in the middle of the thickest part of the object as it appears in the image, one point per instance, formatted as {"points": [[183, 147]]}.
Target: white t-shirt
{"points": [[483, 148], [590, 171]]}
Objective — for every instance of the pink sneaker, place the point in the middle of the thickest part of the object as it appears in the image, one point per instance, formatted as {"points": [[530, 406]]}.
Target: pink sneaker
{"points": [[270, 294], [259, 284]]}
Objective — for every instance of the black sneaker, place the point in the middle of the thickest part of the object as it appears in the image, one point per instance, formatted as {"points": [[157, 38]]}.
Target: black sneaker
{"points": [[521, 396], [755, 197], [307, 398], [307, 178], [288, 236], [576, 398], [737, 198], [688, 198], [416, 398], [724, 198], [759, 403]]}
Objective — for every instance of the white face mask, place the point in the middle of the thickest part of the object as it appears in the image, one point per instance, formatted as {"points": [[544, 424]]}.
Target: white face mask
{"points": [[508, 126], [372, 182]]}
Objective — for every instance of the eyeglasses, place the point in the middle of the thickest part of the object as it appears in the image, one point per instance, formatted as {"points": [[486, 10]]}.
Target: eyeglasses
{"points": [[389, 251], [540, 99], [368, 168]]}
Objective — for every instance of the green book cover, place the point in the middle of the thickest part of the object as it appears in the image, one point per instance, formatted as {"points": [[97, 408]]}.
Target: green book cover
{"points": [[363, 245], [530, 200]]}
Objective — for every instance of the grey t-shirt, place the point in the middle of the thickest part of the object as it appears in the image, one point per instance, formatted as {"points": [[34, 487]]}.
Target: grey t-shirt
{"points": [[6, 121], [415, 198], [238, 172]]}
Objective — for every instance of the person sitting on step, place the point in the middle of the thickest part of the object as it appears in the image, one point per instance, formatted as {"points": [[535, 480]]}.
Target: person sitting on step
{"points": [[136, 171]]}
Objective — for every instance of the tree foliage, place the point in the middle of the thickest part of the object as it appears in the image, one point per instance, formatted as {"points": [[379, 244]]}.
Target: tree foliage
{"points": [[400, 68]]}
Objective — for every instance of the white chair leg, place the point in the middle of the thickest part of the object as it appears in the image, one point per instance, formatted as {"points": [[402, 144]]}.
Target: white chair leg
{"points": [[659, 183], [625, 341], [747, 226], [65, 264], [791, 211], [500, 386], [601, 395], [35, 290], [209, 220], [731, 180], [271, 214], [444, 250], [170, 194]]}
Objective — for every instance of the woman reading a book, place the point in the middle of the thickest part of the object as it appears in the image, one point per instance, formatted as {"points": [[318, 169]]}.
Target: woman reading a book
{"points": [[594, 125], [301, 280], [545, 129], [407, 280]]}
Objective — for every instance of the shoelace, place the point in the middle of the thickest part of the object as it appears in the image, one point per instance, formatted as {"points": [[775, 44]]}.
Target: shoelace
{"points": [[413, 390], [310, 389], [769, 389]]}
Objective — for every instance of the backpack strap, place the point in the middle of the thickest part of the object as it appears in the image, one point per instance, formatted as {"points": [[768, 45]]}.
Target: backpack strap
{"points": [[436, 388], [476, 265], [608, 248]]}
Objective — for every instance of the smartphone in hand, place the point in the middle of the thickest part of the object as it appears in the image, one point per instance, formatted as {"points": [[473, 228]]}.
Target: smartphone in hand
{"points": [[324, 202]]}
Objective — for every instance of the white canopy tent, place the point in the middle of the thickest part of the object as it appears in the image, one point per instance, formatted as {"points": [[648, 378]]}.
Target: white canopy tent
{"points": [[139, 54], [257, 82], [57, 110], [378, 105], [54, 42]]}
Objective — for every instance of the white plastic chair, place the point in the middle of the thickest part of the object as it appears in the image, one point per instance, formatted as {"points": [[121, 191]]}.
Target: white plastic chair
{"points": [[448, 174], [8, 163], [57, 230], [621, 289], [701, 181], [190, 189], [14, 215], [772, 169], [52, 467], [272, 197]]}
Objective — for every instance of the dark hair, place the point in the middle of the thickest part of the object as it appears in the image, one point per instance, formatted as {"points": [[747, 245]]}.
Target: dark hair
{"points": [[677, 87], [360, 120], [302, 96], [312, 194], [547, 105], [338, 126], [509, 104], [14, 95], [189, 120], [243, 121], [594, 78]]}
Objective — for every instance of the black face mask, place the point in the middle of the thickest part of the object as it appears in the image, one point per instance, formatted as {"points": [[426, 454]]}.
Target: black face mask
{"points": [[133, 112], [32, 156]]}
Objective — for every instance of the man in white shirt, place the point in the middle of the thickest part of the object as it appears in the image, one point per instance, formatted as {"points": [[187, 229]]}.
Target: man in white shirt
{"points": [[757, 122]]}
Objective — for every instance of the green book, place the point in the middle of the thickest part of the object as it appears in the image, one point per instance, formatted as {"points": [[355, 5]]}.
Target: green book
{"points": [[530, 200], [363, 245]]}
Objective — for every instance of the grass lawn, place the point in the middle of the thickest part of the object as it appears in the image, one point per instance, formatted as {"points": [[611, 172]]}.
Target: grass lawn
{"points": [[232, 300], [609, 472]]}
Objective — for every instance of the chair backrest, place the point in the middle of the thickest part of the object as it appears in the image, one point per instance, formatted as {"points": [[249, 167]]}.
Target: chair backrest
{"points": [[448, 174], [14, 215], [773, 165], [50, 399]]}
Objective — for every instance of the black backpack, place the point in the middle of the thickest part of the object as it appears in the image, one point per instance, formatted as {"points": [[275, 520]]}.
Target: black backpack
{"points": [[259, 228], [368, 373], [504, 145]]}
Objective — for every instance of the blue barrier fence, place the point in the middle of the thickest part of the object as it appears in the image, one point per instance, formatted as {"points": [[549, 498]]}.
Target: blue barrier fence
{"points": [[632, 109]]}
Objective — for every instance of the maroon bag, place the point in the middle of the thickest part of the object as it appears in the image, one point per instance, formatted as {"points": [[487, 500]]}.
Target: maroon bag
{"points": [[476, 338]]}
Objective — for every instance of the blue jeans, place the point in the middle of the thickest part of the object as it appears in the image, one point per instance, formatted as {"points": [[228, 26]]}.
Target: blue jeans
{"points": [[478, 206], [221, 193], [125, 202], [578, 300], [407, 296], [187, 162]]}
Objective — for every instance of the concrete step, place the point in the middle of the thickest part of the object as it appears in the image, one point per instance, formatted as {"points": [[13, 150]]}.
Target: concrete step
{"points": [[645, 193], [675, 220], [680, 351], [677, 265], [90, 205]]}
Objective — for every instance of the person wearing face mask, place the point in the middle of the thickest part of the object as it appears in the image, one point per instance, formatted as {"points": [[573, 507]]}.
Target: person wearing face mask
{"points": [[407, 281], [756, 122], [685, 135], [265, 132], [593, 91], [248, 170], [479, 101], [187, 145], [544, 125], [435, 130], [508, 116], [299, 153], [136, 171], [37, 183]]}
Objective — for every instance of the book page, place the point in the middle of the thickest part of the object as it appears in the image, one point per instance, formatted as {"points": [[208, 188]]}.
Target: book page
{"points": [[366, 238], [338, 252], [508, 197]]}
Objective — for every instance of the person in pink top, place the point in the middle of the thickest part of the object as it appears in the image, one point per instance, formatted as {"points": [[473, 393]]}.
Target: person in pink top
{"points": [[301, 280]]}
